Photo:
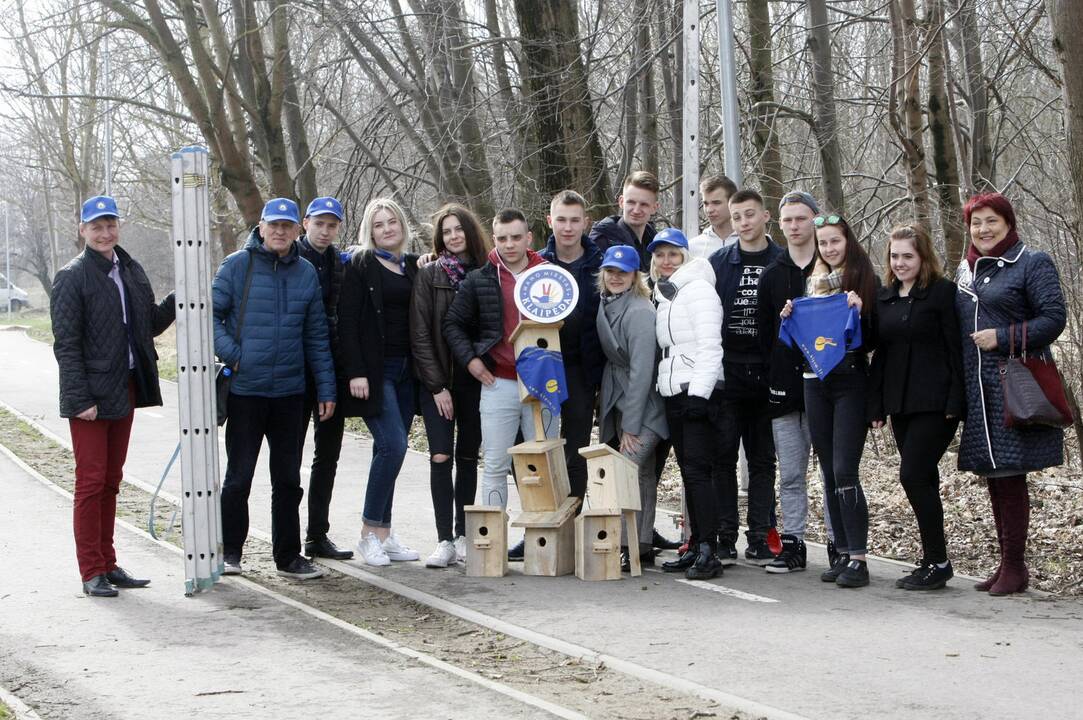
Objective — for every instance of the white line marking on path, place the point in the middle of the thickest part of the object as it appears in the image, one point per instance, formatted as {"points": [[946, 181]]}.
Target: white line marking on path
{"points": [[722, 590], [436, 663], [150, 413]]}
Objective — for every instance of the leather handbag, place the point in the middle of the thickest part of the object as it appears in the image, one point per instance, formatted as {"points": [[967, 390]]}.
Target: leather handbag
{"points": [[223, 376], [1033, 389]]}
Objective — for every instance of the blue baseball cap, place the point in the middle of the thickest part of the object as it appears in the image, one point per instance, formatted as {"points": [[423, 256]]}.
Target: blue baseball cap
{"points": [[621, 257], [324, 206], [669, 236], [280, 209], [99, 206]]}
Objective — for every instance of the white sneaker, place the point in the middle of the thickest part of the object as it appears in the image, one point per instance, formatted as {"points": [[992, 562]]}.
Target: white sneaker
{"points": [[460, 550], [442, 556], [397, 551], [370, 549], [232, 566]]}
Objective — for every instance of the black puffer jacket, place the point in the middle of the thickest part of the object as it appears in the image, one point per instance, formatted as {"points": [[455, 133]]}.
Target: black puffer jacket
{"points": [[1022, 284], [475, 321], [612, 230], [330, 270], [90, 340], [782, 280]]}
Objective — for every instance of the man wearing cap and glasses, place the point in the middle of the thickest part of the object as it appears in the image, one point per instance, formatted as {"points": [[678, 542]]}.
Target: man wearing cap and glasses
{"points": [[781, 281], [321, 223], [104, 322], [270, 326]]}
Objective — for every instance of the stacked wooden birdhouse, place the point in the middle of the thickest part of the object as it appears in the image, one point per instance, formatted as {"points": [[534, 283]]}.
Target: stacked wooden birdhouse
{"points": [[541, 476], [486, 541], [612, 493]]}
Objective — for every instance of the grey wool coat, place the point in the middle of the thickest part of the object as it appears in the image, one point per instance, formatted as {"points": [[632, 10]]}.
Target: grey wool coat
{"points": [[626, 334], [1022, 284]]}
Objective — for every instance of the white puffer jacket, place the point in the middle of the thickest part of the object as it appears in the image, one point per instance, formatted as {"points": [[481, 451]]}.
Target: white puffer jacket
{"points": [[689, 331]]}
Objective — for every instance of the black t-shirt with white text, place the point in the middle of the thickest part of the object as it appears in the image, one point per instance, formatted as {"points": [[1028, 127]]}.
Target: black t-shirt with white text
{"points": [[742, 330]]}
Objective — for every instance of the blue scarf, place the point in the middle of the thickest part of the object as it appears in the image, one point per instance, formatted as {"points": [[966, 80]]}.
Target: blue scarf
{"points": [[400, 260]]}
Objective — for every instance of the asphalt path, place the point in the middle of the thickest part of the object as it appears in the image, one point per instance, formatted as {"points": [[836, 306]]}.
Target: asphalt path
{"points": [[786, 641]]}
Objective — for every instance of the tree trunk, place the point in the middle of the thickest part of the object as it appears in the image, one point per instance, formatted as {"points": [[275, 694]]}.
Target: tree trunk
{"points": [[982, 171], [1067, 21], [945, 156], [904, 103], [648, 100], [762, 95], [555, 84], [825, 120]]}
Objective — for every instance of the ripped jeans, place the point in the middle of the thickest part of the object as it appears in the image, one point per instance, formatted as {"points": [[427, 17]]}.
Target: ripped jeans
{"points": [[836, 418]]}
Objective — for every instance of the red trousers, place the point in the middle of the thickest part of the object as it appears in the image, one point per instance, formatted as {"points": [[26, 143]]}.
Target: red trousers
{"points": [[101, 447]]}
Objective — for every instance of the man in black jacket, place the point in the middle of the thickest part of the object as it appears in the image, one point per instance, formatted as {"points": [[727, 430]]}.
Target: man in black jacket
{"points": [[638, 202], [784, 280], [104, 322], [321, 224], [569, 248], [738, 268]]}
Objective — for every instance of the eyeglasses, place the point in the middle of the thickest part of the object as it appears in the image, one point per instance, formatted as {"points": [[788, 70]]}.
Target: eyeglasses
{"points": [[822, 220]]}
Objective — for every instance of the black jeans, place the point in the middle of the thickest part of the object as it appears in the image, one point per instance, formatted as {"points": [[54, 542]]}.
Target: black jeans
{"points": [[576, 419], [836, 418], [328, 446], [251, 419], [922, 439], [747, 419], [449, 498], [695, 441]]}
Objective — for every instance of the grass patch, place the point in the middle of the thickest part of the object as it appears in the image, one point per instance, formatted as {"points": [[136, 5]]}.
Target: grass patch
{"points": [[5, 712]]}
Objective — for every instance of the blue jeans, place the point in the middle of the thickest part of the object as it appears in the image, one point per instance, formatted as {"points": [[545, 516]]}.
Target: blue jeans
{"points": [[389, 432]]}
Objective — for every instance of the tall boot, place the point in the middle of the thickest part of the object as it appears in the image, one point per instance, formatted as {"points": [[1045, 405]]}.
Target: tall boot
{"points": [[994, 500], [1015, 521]]}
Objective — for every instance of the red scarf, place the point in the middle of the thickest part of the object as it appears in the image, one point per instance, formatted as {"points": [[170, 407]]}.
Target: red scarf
{"points": [[1001, 247]]}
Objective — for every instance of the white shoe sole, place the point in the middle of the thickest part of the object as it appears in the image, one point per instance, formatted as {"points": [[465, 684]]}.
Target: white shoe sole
{"points": [[437, 563], [232, 571]]}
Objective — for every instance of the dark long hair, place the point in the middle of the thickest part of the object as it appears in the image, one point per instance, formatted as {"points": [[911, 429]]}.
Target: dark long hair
{"points": [[477, 240], [859, 274]]}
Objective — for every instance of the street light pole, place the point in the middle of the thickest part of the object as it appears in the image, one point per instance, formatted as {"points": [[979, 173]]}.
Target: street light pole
{"points": [[7, 260], [108, 82], [727, 70]]}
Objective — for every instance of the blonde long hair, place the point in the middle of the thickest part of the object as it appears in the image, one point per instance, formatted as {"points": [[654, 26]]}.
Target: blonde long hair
{"points": [[364, 234], [639, 285]]}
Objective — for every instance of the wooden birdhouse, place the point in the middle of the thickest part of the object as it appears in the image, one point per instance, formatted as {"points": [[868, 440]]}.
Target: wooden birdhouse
{"points": [[549, 547], [597, 545], [486, 541], [529, 333], [613, 489], [612, 480], [541, 474]]}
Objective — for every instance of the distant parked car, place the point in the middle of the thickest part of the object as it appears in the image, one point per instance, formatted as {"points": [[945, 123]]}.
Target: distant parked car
{"points": [[20, 299]]}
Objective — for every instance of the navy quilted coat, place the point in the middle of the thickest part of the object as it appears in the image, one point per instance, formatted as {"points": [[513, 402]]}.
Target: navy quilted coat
{"points": [[1022, 284], [284, 328]]}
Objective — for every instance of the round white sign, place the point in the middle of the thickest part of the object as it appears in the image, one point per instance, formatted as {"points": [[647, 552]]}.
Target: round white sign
{"points": [[546, 293]]}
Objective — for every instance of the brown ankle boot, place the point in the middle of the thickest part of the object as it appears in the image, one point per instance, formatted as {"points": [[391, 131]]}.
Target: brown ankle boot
{"points": [[994, 501], [1015, 519]]}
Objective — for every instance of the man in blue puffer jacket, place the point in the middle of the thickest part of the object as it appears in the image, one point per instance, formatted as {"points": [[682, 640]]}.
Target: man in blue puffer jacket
{"points": [[268, 338]]}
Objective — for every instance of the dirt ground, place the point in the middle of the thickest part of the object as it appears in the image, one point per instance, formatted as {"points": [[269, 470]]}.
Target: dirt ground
{"points": [[594, 690]]}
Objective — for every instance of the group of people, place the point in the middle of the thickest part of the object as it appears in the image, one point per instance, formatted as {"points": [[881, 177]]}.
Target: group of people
{"points": [[686, 344]]}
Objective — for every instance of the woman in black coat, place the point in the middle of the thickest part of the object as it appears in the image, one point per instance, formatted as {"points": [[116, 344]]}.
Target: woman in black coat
{"points": [[916, 379], [1003, 283], [374, 339]]}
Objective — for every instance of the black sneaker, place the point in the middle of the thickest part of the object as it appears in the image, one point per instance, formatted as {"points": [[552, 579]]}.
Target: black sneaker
{"points": [[922, 564], [832, 553], [323, 547], [707, 565], [758, 553], [929, 577], [660, 542], [854, 574], [682, 563], [832, 573], [300, 569], [515, 554], [646, 559], [791, 559]]}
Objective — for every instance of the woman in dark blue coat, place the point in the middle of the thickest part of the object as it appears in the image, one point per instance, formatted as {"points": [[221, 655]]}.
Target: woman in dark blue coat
{"points": [[1002, 284], [917, 380]]}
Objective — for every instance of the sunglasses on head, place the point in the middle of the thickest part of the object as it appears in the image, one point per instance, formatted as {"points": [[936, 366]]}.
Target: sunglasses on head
{"points": [[822, 220]]}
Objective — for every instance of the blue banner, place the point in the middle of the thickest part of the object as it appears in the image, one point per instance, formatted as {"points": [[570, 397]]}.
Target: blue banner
{"points": [[542, 374], [823, 329]]}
